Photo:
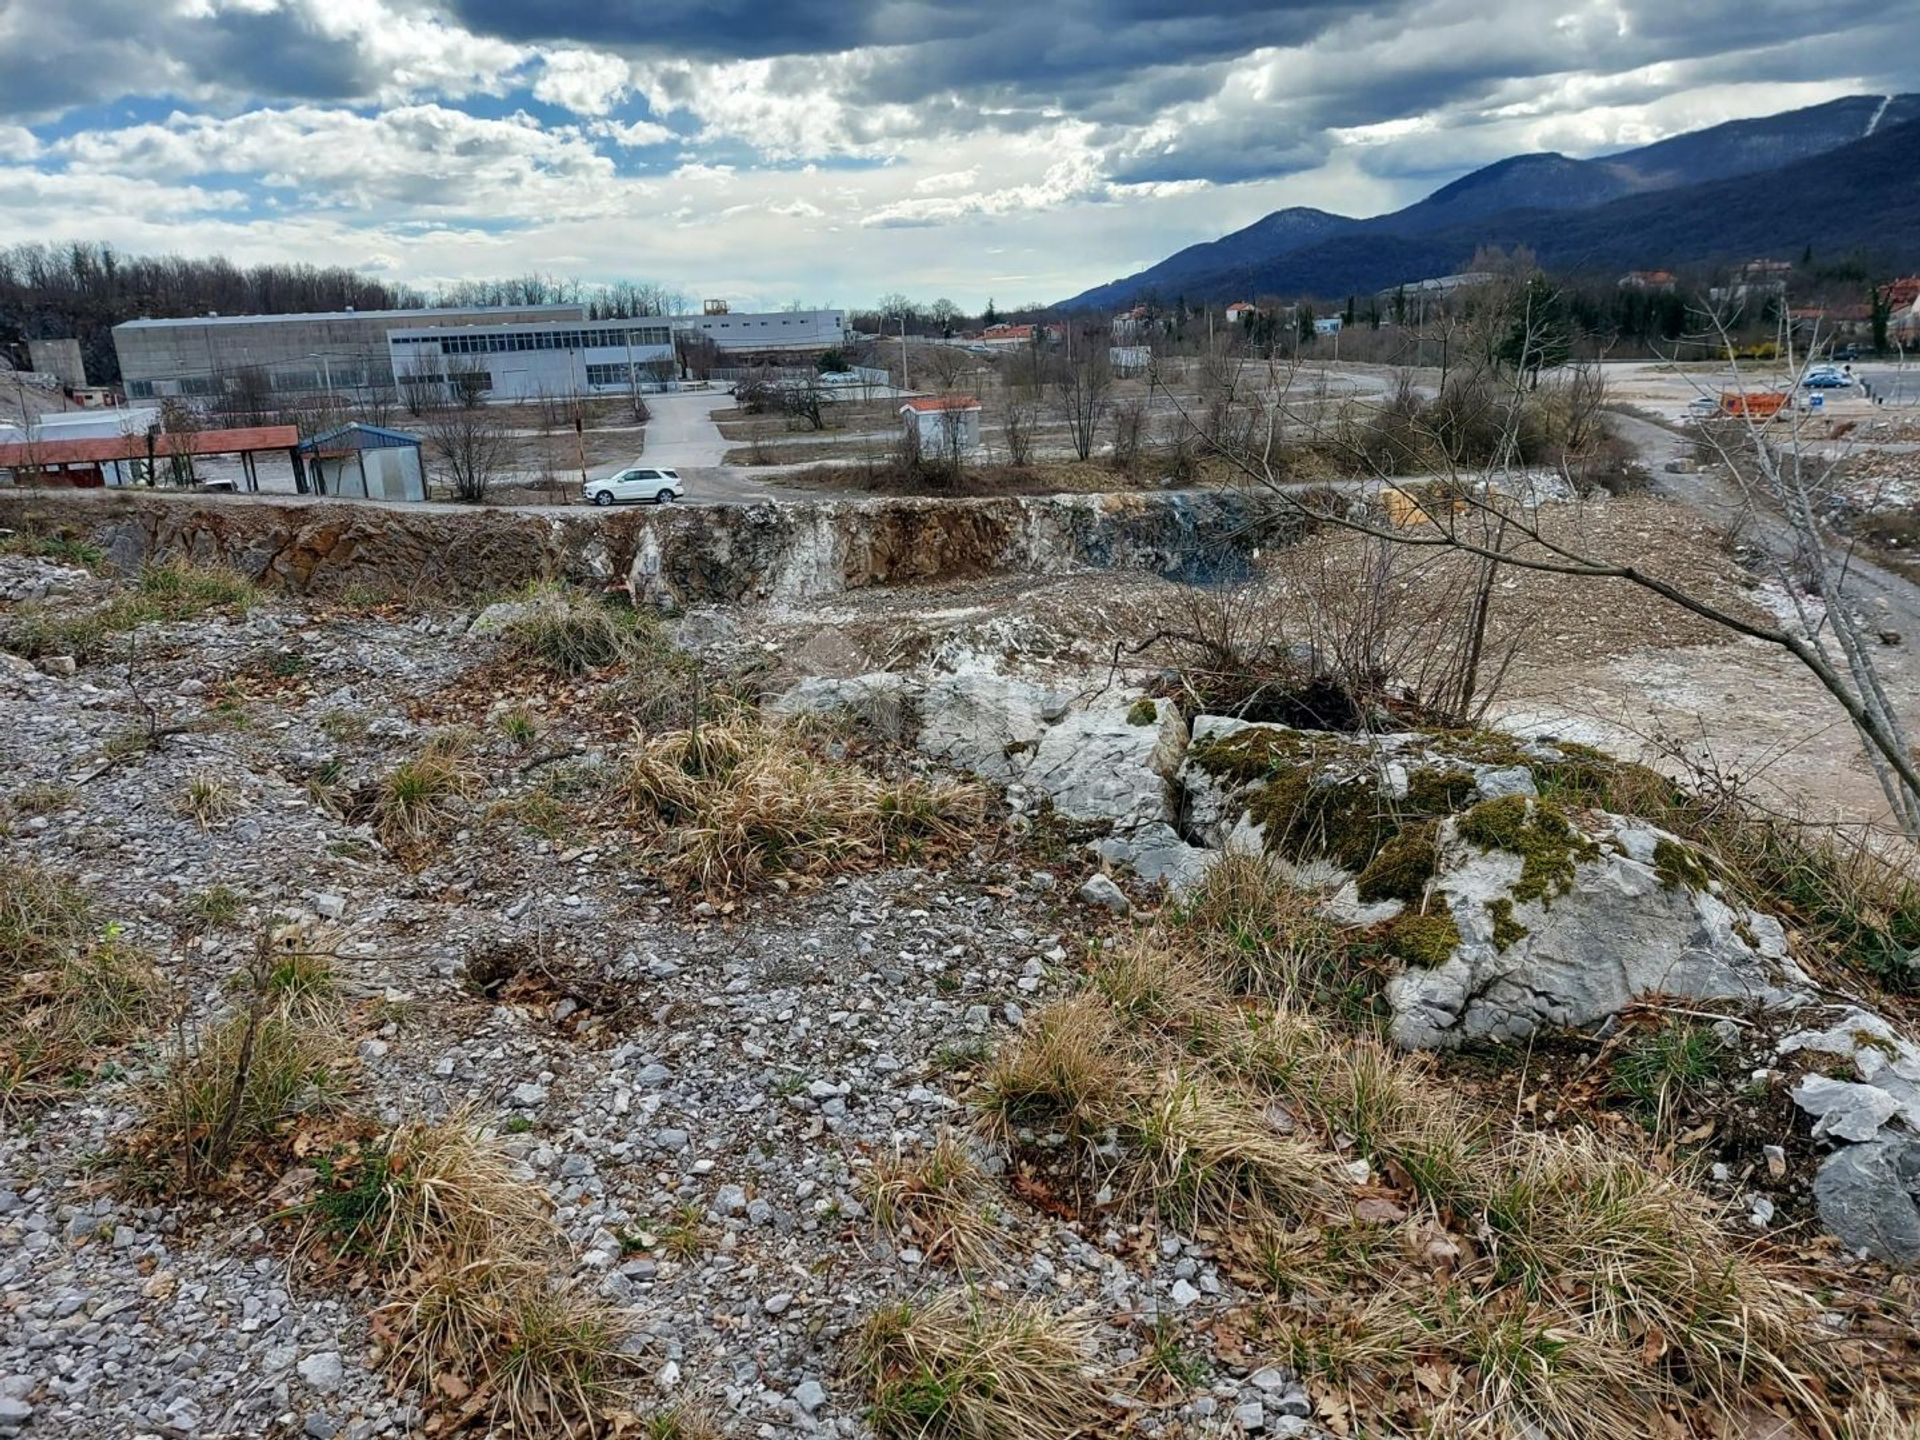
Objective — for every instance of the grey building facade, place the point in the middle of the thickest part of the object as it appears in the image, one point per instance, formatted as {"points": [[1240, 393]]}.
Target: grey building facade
{"points": [[344, 350], [767, 332], [525, 360]]}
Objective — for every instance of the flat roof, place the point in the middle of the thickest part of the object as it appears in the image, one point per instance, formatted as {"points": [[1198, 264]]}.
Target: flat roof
{"points": [[425, 312], [564, 322]]}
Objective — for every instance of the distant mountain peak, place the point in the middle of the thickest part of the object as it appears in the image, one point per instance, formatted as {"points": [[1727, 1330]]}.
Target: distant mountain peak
{"points": [[1515, 186]]}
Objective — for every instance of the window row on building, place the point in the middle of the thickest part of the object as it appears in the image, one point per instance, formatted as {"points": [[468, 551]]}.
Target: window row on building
{"points": [[618, 374], [497, 342]]}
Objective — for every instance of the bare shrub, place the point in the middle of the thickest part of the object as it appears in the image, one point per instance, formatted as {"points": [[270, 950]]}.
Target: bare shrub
{"points": [[1129, 433], [471, 449]]}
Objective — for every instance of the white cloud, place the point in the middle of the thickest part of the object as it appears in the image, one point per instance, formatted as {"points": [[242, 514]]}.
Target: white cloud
{"points": [[947, 180], [587, 82], [633, 135], [18, 143], [425, 158]]}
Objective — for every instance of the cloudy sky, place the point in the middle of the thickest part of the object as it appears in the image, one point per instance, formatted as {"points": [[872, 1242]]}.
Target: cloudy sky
{"points": [[830, 150]]}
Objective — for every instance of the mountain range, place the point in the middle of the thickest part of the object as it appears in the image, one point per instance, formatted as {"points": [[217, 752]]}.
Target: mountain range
{"points": [[1842, 175]]}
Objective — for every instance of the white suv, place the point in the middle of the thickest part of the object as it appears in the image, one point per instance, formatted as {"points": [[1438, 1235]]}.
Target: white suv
{"points": [[637, 483]]}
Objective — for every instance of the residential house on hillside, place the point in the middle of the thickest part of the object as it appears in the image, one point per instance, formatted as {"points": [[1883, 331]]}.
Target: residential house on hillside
{"points": [[1239, 311], [1658, 280], [1129, 325]]}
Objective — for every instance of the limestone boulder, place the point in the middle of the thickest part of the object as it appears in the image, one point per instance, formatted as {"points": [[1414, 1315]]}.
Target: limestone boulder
{"points": [[986, 723], [1113, 761], [1610, 931], [1869, 1196]]}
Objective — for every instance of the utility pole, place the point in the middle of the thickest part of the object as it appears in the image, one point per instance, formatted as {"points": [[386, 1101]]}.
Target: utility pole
{"points": [[905, 382]]}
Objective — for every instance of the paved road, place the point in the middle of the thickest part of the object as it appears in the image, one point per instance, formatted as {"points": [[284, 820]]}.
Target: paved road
{"points": [[681, 435], [1890, 600]]}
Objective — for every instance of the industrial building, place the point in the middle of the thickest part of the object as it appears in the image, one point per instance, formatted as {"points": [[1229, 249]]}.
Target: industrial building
{"points": [[734, 333], [525, 350], [523, 361], [343, 350]]}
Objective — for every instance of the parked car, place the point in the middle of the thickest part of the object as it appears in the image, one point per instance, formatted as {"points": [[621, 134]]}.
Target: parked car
{"points": [[1703, 405], [1826, 380], [637, 484]]}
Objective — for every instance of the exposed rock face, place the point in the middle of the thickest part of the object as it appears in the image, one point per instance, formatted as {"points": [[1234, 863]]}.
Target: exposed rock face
{"points": [[1508, 913], [1111, 762], [1618, 932], [672, 557]]}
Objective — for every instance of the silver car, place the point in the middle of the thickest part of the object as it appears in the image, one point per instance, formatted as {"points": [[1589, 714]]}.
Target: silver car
{"points": [[636, 485]]}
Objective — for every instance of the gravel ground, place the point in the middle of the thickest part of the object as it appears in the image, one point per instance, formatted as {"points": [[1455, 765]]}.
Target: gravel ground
{"points": [[733, 1070]]}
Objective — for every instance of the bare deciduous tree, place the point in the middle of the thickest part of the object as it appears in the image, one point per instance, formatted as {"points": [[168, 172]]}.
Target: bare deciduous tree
{"points": [[1081, 387], [1129, 432], [1020, 412], [470, 449], [468, 381]]}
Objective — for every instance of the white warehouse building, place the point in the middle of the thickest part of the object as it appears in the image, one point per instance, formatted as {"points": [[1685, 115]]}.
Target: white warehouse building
{"points": [[525, 361], [734, 332]]}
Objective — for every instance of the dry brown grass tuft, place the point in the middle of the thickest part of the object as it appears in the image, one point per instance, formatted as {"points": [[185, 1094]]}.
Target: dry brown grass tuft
{"points": [[1876, 1415], [1154, 988], [1259, 934], [231, 1086], [939, 1196], [1485, 1280], [1066, 1070], [420, 797], [427, 1197], [205, 799], [1651, 1259], [67, 992], [511, 1347], [951, 1367], [571, 633], [739, 801], [1210, 1155]]}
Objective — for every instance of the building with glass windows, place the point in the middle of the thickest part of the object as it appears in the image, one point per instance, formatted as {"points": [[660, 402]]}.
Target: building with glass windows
{"points": [[526, 361], [343, 351]]}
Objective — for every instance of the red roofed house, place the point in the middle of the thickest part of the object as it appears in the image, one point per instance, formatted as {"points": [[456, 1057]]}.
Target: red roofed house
{"points": [[1007, 335], [1239, 310], [943, 424], [1647, 280]]}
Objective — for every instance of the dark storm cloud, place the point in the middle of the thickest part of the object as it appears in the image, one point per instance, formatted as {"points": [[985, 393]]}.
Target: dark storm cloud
{"points": [[74, 54]]}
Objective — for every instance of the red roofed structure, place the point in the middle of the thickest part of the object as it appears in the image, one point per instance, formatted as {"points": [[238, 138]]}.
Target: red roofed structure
{"points": [[77, 464]]}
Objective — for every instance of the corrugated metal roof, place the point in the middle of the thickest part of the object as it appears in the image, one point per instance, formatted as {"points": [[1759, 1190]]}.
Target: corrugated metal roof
{"points": [[355, 436], [134, 447]]}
